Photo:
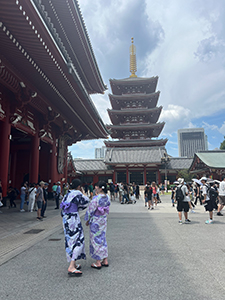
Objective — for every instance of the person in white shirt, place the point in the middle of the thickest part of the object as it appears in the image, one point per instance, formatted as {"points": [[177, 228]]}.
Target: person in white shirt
{"points": [[221, 196], [208, 203], [182, 205], [32, 193]]}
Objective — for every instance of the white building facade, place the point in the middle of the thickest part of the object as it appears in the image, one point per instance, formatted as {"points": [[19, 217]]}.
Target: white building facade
{"points": [[191, 140]]}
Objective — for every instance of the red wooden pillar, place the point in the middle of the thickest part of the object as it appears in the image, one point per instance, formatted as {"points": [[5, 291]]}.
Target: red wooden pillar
{"points": [[14, 163], [127, 175], [95, 179], [66, 167], [145, 176], [53, 171], [114, 176], [35, 153], [159, 177], [5, 130]]}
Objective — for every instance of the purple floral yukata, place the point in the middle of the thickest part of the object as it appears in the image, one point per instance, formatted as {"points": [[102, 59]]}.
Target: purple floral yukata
{"points": [[96, 214], [73, 230]]}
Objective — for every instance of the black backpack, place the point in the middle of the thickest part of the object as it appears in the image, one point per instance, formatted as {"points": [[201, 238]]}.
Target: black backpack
{"points": [[212, 193], [179, 194]]}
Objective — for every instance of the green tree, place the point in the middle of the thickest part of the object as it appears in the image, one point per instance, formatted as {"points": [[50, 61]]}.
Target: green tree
{"points": [[222, 145], [185, 174]]}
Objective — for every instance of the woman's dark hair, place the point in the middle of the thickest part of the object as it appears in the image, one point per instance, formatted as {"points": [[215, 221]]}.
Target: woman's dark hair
{"points": [[102, 185], [75, 184]]}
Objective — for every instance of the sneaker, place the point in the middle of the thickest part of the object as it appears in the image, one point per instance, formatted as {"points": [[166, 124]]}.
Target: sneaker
{"points": [[219, 214], [209, 221], [22, 210], [180, 222], [192, 211], [187, 221]]}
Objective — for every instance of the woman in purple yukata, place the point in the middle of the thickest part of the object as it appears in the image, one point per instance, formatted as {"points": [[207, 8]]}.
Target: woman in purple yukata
{"points": [[74, 201], [96, 217]]}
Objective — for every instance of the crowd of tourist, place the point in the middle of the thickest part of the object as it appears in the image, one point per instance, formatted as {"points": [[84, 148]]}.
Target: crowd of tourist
{"points": [[97, 199], [210, 193]]}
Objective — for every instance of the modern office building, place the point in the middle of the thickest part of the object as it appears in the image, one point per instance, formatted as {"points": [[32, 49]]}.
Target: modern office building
{"points": [[100, 152], [191, 141]]}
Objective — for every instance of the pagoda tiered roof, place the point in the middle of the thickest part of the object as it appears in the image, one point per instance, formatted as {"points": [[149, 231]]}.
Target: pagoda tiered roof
{"points": [[135, 142], [133, 85], [133, 131], [127, 116], [141, 100]]}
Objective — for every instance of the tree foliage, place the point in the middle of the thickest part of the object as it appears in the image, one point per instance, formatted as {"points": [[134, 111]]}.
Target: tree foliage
{"points": [[185, 174], [222, 145]]}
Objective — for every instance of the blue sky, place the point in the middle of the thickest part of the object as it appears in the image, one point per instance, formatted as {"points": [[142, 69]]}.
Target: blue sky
{"points": [[182, 42]]}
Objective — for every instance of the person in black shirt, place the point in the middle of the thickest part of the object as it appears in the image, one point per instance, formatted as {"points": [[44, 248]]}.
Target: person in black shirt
{"points": [[44, 204], [12, 196], [148, 195]]}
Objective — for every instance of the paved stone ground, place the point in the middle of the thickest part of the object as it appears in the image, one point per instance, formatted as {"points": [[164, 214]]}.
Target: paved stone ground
{"points": [[151, 256]]}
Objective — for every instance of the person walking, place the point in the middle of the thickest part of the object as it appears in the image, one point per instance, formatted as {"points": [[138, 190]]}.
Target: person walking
{"points": [[40, 200], [197, 192], [57, 195], [12, 197], [210, 195], [44, 204], [182, 200], [96, 218], [221, 196], [148, 196], [31, 198], [23, 191], [74, 201], [54, 187], [137, 191], [154, 192]]}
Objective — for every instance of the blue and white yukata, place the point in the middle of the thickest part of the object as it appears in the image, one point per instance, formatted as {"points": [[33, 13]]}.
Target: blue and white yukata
{"points": [[96, 214], [73, 201]]}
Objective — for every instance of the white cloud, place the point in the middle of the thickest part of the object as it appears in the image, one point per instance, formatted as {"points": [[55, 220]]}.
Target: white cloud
{"points": [[182, 42], [222, 129]]}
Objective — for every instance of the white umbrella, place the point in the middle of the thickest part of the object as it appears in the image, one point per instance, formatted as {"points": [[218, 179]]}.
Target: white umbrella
{"points": [[197, 181]]}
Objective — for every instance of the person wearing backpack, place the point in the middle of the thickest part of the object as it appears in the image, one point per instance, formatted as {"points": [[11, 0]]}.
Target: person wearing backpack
{"points": [[221, 196], [210, 204], [182, 200]]}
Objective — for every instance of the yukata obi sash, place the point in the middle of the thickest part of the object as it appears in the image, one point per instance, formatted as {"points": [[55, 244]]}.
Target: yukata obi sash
{"points": [[69, 207], [101, 211]]}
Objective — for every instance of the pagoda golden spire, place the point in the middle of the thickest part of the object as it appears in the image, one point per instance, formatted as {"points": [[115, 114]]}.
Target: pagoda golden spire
{"points": [[133, 64]]}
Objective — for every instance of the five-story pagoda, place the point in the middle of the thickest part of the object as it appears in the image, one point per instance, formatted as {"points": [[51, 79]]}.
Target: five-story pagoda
{"points": [[135, 154], [134, 114]]}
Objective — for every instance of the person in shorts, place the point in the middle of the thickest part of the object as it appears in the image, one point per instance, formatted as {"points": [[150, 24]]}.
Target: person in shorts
{"points": [[182, 205], [221, 196], [40, 200], [211, 199]]}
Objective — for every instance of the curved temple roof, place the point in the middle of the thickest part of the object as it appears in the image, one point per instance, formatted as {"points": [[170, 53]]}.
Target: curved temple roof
{"points": [[34, 52], [134, 100], [133, 85], [135, 116], [152, 130]]}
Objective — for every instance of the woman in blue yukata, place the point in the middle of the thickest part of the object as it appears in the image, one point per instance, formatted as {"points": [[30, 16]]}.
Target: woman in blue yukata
{"points": [[96, 217], [74, 201]]}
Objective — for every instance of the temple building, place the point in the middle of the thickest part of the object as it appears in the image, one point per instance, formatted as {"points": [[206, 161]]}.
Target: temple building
{"points": [[135, 153], [47, 72]]}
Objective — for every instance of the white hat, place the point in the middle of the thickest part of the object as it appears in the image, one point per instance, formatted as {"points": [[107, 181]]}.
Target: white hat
{"points": [[203, 178], [180, 180]]}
